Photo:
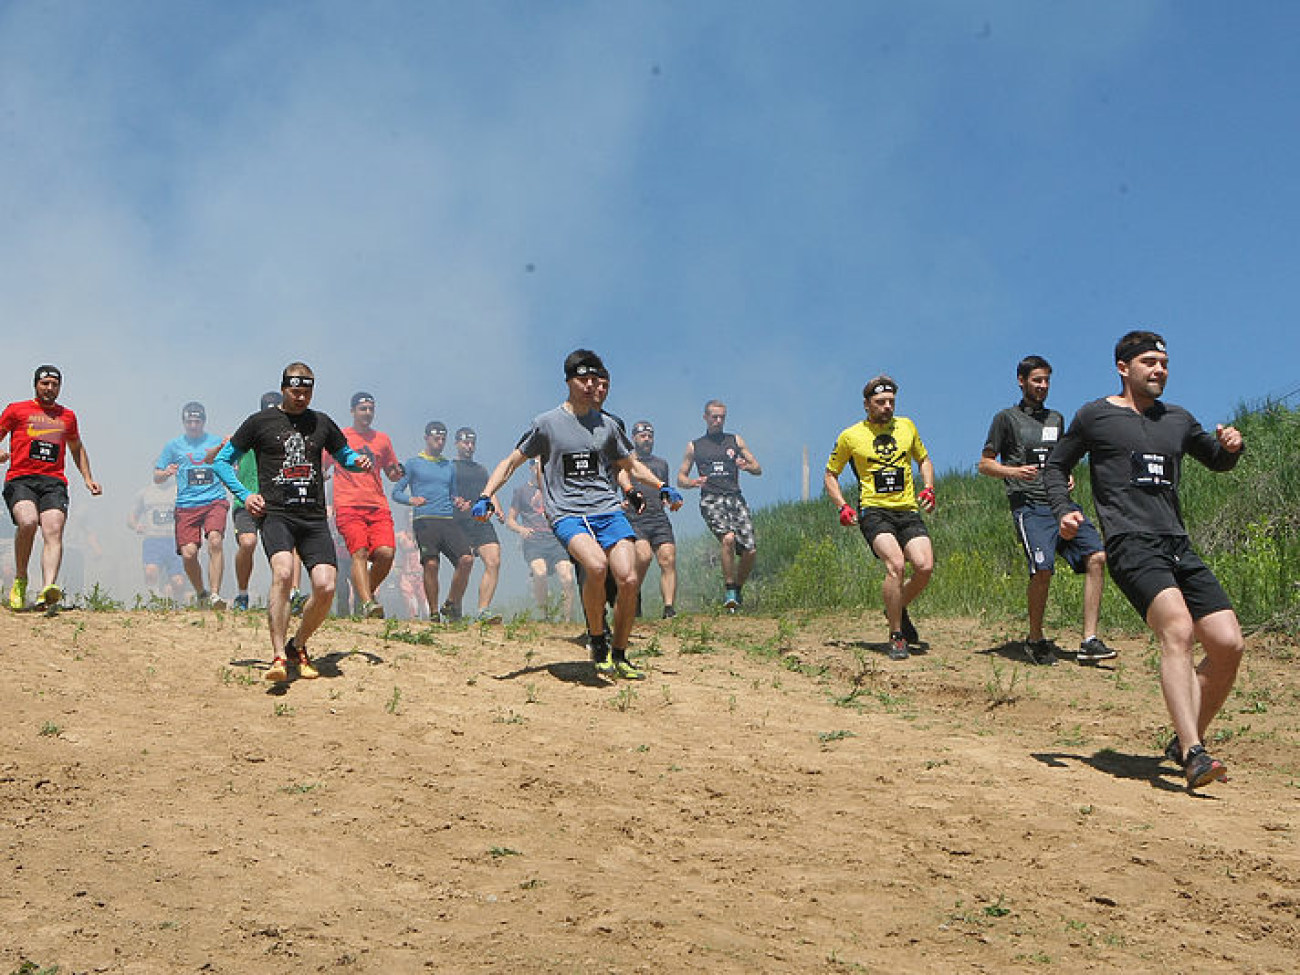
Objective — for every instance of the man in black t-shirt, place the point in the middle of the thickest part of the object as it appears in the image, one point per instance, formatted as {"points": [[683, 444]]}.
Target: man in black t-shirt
{"points": [[288, 440], [471, 476], [654, 532], [1136, 444], [1020, 440]]}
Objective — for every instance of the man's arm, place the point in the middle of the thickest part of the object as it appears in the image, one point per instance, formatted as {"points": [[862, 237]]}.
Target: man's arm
{"points": [[990, 467], [1219, 451], [82, 459], [684, 479], [747, 461]]}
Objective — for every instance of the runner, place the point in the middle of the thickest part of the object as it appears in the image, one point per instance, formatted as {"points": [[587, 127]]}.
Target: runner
{"points": [[482, 536], [542, 550], [361, 511], [881, 450], [153, 518], [201, 505], [41, 434], [428, 486], [1022, 436], [719, 458], [289, 440], [654, 532], [1136, 443], [579, 446]]}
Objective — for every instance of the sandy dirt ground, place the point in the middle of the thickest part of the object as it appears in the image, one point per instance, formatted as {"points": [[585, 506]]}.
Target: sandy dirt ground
{"points": [[778, 796]]}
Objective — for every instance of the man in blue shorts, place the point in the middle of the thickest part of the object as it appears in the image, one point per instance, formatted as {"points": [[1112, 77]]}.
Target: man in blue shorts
{"points": [[201, 505], [1135, 443], [289, 440], [1020, 439], [581, 448]]}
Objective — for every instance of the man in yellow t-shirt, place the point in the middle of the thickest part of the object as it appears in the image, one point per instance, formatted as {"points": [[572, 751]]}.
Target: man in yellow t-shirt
{"points": [[881, 450]]}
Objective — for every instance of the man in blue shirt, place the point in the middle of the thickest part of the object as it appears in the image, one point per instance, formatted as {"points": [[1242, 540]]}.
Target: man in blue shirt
{"points": [[201, 505]]}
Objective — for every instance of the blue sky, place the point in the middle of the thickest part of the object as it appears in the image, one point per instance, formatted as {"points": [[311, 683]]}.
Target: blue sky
{"points": [[762, 202]]}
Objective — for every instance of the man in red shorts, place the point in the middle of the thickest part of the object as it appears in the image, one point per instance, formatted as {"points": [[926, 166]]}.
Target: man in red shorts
{"points": [[361, 511], [41, 434]]}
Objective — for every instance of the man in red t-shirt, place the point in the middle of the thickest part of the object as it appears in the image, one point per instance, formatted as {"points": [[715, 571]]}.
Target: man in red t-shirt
{"points": [[41, 434], [361, 511]]}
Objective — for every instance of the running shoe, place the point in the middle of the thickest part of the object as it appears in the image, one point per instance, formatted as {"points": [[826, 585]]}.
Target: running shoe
{"points": [[1093, 650], [278, 672], [731, 600], [18, 595], [218, 602], [898, 646], [371, 610], [626, 669], [241, 603], [450, 612], [298, 655], [1202, 768], [909, 630], [1041, 653], [1174, 751], [297, 600], [50, 596], [669, 612], [599, 645], [487, 616]]}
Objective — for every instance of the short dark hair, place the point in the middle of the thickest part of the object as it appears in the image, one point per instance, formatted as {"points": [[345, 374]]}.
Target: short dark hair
{"points": [[879, 384], [584, 362], [1134, 343], [1029, 363]]}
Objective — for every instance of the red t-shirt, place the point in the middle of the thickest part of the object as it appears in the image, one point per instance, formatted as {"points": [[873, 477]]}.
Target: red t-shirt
{"points": [[38, 439], [353, 489]]}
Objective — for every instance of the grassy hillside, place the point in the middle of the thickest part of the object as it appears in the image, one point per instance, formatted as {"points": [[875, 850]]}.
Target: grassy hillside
{"points": [[1244, 523]]}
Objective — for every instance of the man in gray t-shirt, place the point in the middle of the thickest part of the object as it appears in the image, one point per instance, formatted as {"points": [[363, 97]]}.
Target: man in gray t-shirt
{"points": [[581, 449]]}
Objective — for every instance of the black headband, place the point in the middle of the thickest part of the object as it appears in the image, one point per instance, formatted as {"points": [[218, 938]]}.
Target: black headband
{"points": [[883, 386], [1131, 350], [642, 427], [586, 369], [296, 382], [48, 372]]}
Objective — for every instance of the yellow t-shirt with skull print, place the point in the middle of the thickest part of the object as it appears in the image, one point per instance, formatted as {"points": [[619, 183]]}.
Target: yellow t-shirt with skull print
{"points": [[881, 455]]}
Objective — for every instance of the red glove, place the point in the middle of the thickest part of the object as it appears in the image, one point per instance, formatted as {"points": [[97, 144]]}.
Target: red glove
{"points": [[926, 499], [847, 515]]}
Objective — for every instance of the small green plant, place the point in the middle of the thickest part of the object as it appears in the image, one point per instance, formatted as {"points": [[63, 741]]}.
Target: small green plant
{"points": [[826, 737], [99, 601], [698, 641], [653, 649], [31, 968], [1002, 689], [532, 883], [282, 710], [530, 693], [997, 909], [509, 716], [499, 852], [625, 698], [301, 788], [394, 705], [51, 730]]}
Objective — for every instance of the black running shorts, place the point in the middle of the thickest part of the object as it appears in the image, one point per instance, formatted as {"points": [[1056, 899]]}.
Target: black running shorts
{"points": [[1143, 566]]}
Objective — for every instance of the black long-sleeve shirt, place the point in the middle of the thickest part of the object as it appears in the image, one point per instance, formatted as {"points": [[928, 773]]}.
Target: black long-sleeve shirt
{"points": [[1136, 464]]}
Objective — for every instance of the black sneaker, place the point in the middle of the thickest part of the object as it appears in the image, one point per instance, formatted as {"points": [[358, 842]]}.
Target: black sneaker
{"points": [[909, 630], [1093, 650], [669, 612], [1202, 768], [1041, 653], [450, 612], [898, 646], [1174, 751]]}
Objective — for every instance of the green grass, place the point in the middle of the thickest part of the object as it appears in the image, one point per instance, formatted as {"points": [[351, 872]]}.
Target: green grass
{"points": [[1244, 523]]}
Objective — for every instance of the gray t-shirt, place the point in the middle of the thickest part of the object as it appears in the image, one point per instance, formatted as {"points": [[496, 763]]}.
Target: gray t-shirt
{"points": [[1025, 434], [578, 455]]}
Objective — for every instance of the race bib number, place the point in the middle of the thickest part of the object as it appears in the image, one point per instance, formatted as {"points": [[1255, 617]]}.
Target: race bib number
{"points": [[44, 451], [580, 465], [199, 476], [717, 468], [1051, 434], [1152, 470], [1039, 455], [888, 480], [162, 516]]}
